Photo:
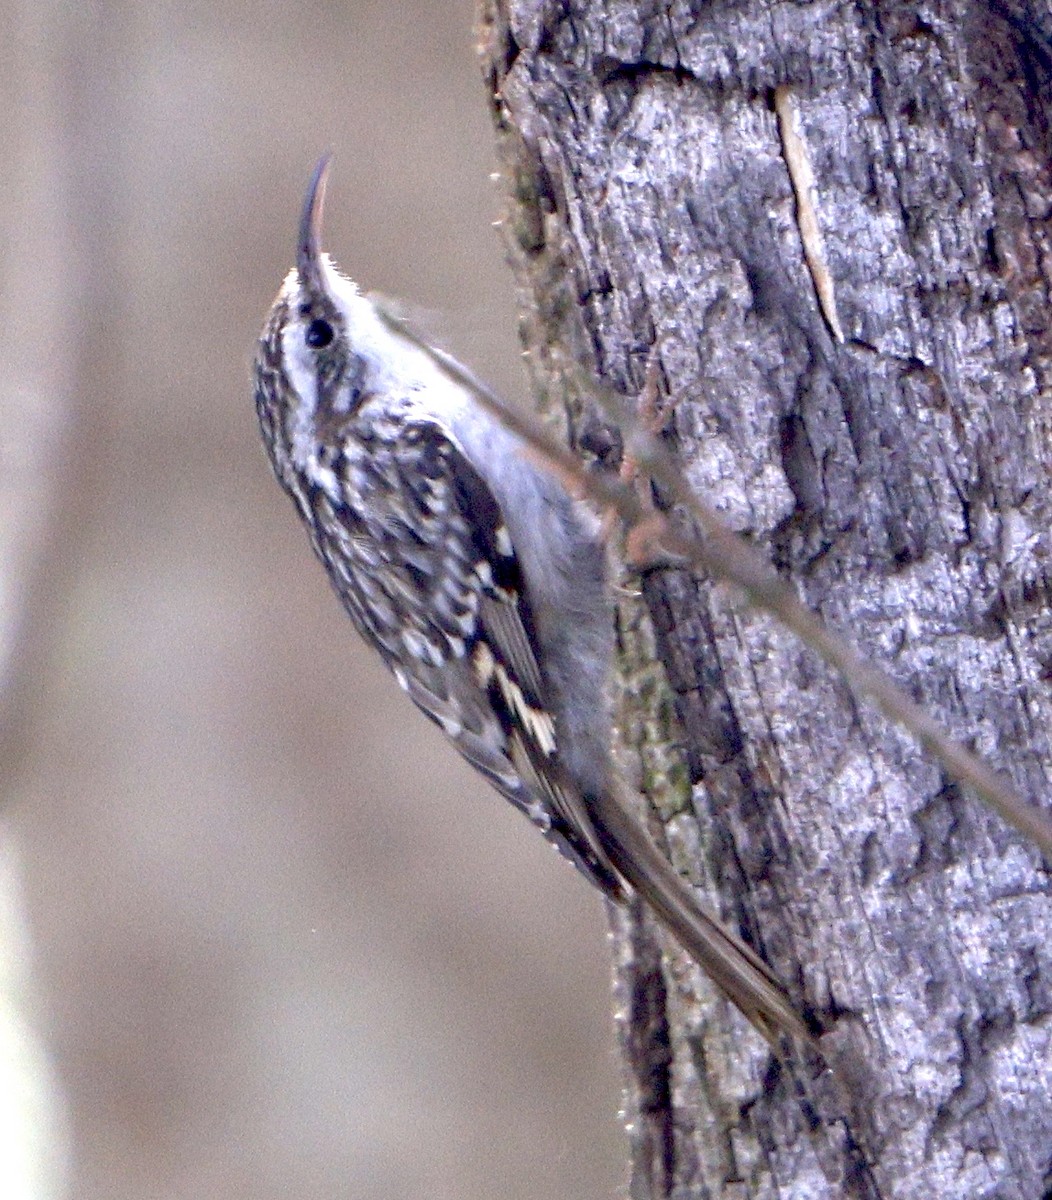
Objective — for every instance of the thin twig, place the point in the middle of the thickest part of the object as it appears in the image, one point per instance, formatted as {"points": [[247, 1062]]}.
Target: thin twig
{"points": [[725, 555]]}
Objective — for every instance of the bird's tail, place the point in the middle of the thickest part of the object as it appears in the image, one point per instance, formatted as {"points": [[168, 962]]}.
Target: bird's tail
{"points": [[737, 971]]}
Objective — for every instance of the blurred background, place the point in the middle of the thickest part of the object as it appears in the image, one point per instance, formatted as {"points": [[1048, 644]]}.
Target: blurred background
{"points": [[261, 930]]}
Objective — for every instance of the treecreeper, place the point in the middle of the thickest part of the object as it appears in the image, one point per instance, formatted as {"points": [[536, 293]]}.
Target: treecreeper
{"points": [[478, 578]]}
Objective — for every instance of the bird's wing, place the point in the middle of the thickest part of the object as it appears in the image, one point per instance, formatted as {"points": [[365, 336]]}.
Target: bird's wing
{"points": [[428, 570], [433, 577]]}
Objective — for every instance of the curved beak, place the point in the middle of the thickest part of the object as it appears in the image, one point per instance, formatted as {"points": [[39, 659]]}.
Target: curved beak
{"points": [[308, 249]]}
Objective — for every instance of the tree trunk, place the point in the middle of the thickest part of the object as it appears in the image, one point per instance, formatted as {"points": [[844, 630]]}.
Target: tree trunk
{"points": [[41, 267], [855, 369]]}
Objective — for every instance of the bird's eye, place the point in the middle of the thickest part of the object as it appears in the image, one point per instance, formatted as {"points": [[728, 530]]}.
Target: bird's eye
{"points": [[319, 334]]}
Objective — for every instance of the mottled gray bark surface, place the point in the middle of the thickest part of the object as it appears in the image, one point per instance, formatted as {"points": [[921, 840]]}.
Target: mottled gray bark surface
{"points": [[898, 476]]}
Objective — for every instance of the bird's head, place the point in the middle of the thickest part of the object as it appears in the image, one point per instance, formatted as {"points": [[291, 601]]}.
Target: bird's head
{"points": [[313, 353]]}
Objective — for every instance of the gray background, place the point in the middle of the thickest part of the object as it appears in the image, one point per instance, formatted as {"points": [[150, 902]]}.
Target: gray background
{"points": [[285, 943]]}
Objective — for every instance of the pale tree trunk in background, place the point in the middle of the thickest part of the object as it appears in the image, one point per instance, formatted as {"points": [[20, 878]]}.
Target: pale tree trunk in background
{"points": [[899, 477], [35, 383]]}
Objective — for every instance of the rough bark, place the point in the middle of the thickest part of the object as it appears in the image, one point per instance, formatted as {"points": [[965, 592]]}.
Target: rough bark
{"points": [[897, 476]]}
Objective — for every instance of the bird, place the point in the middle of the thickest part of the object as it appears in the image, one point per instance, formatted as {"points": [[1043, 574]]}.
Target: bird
{"points": [[480, 579]]}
